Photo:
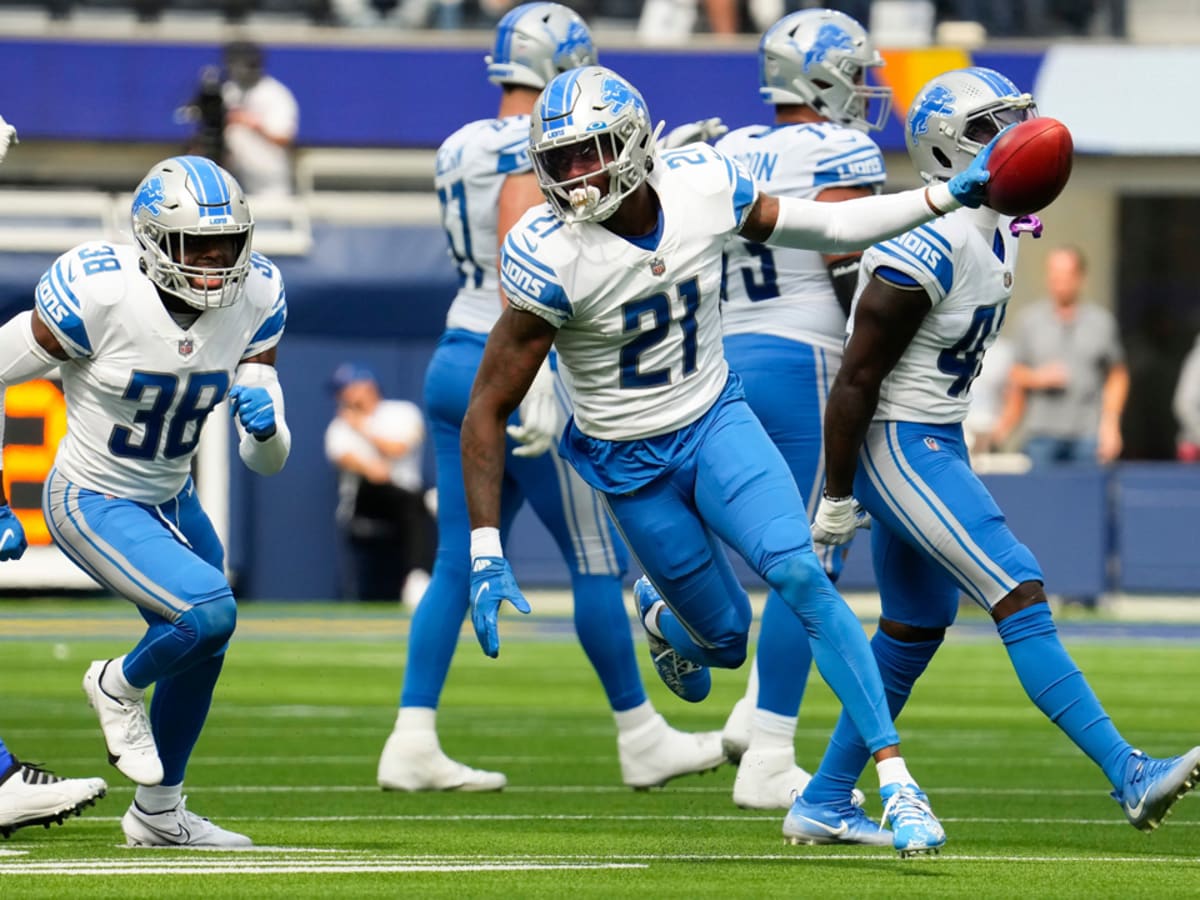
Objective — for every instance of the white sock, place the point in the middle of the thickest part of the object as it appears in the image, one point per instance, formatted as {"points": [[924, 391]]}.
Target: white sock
{"points": [[629, 719], [651, 617], [772, 730], [893, 771], [751, 694], [159, 798], [416, 718], [113, 681]]}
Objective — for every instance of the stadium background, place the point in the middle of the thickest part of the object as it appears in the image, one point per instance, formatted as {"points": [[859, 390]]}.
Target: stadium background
{"points": [[369, 279]]}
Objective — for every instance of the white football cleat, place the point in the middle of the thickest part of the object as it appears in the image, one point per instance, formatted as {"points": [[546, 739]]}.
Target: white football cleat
{"points": [[126, 728], [735, 737], [654, 753], [177, 827], [29, 795], [768, 778], [413, 760]]}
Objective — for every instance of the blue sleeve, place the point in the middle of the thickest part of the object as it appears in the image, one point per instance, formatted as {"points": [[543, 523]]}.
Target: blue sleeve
{"points": [[744, 191], [530, 284], [513, 159], [60, 309], [896, 277]]}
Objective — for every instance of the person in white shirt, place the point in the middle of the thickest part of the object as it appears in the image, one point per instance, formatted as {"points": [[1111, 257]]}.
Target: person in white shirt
{"points": [[376, 444], [261, 121]]}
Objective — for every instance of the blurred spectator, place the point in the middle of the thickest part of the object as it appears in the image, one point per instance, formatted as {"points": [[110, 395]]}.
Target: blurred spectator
{"points": [[261, 121], [1069, 378], [376, 445], [989, 393], [1187, 406]]}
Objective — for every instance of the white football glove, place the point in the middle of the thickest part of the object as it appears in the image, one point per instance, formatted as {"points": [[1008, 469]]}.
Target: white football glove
{"points": [[8, 134], [540, 422], [837, 520], [693, 132]]}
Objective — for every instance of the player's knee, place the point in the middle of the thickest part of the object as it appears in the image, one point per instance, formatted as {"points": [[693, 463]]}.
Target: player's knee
{"points": [[213, 622], [800, 581], [1023, 596], [728, 651], [910, 634]]}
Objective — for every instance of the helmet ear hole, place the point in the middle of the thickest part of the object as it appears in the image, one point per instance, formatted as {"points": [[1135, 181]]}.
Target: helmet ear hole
{"points": [[941, 157]]}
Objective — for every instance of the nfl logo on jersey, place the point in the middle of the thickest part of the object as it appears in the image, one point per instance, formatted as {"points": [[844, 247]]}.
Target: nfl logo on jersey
{"points": [[186, 346], [657, 266], [932, 444]]}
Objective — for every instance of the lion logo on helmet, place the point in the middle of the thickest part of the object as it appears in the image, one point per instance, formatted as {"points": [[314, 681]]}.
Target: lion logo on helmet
{"points": [[939, 101], [829, 37], [150, 197]]}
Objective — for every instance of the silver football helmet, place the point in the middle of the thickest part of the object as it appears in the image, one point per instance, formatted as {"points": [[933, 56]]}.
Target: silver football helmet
{"points": [[590, 122], [181, 199], [956, 114], [536, 41], [819, 58]]}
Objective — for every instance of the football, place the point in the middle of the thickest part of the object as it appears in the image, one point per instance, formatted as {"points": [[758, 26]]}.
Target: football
{"points": [[1029, 167]]}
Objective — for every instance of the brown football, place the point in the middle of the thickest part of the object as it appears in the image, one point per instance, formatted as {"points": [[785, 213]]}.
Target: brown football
{"points": [[1029, 166]]}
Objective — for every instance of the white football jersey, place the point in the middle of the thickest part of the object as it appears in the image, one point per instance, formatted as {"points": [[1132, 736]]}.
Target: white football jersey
{"points": [[965, 262], [138, 386], [639, 323], [782, 291], [471, 167]]}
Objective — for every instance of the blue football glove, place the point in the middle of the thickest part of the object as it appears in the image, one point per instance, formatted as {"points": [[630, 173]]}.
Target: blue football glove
{"points": [[492, 582], [254, 408], [969, 187], [12, 535]]}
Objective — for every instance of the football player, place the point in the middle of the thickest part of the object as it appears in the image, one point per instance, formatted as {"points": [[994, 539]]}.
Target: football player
{"points": [[485, 184], [620, 271], [29, 794], [930, 305], [147, 340], [784, 317]]}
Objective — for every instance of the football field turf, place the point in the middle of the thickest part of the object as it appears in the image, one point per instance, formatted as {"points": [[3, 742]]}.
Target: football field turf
{"points": [[308, 696]]}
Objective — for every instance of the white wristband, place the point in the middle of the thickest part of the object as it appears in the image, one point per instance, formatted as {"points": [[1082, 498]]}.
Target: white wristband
{"points": [[485, 542]]}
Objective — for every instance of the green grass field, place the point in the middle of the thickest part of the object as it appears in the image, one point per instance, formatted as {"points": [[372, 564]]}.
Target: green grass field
{"points": [[308, 696]]}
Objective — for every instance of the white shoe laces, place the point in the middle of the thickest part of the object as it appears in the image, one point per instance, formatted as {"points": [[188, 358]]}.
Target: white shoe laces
{"points": [[137, 724], [906, 807]]}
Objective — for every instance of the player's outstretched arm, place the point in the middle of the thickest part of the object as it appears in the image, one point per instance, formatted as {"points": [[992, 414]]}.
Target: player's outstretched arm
{"points": [[857, 224], [256, 404], [516, 347], [885, 320]]}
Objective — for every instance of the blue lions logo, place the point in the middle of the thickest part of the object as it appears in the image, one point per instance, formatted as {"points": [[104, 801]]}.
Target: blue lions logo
{"points": [[829, 37], [938, 102], [618, 95], [575, 49], [149, 197]]}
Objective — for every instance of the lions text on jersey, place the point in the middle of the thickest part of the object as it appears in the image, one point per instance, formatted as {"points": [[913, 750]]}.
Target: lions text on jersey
{"points": [[471, 167], [965, 263], [139, 386], [799, 160], [639, 325]]}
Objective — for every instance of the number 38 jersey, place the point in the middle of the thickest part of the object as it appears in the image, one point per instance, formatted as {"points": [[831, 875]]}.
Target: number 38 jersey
{"points": [[471, 167], [965, 263], [639, 321], [138, 386], [782, 291]]}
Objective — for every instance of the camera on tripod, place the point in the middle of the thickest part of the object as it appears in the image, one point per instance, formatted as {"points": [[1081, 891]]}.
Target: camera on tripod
{"points": [[206, 112]]}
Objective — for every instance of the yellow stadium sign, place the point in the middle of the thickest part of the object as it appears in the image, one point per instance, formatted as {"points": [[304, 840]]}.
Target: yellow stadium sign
{"points": [[36, 414]]}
